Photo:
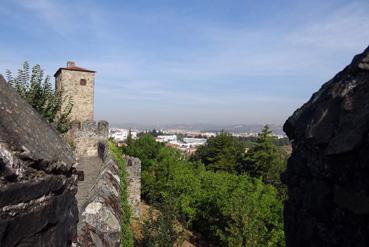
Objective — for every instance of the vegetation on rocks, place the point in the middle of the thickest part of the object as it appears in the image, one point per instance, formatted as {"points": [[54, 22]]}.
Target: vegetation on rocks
{"points": [[126, 237], [36, 89]]}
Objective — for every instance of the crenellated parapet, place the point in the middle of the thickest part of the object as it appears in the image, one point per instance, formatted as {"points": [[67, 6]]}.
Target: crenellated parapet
{"points": [[133, 166], [84, 137], [100, 215]]}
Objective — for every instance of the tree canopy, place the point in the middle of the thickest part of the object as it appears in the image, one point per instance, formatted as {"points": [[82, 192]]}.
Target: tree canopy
{"points": [[220, 153], [37, 90], [227, 208], [145, 148]]}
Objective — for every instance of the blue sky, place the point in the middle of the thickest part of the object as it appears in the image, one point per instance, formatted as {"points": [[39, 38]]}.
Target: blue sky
{"points": [[191, 61]]}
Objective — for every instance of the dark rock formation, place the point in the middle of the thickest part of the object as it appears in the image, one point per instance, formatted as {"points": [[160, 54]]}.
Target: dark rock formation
{"points": [[37, 178], [327, 174]]}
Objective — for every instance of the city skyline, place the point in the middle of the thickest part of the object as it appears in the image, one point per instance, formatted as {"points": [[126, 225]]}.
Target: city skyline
{"points": [[168, 63]]}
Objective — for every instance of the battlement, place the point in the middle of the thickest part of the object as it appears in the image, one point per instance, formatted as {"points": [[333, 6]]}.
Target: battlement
{"points": [[89, 126], [85, 136]]}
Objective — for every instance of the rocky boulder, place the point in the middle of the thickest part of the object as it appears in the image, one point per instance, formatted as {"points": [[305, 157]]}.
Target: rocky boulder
{"points": [[327, 174], [37, 178]]}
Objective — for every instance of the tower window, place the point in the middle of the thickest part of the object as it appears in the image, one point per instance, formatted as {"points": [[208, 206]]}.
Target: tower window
{"points": [[82, 82]]}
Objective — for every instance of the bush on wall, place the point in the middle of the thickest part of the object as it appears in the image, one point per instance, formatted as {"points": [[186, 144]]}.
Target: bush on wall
{"points": [[126, 234]]}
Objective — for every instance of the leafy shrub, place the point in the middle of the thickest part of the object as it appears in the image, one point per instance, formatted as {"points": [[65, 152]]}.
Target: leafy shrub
{"points": [[145, 148], [220, 153], [239, 211], [159, 229], [38, 92], [229, 209]]}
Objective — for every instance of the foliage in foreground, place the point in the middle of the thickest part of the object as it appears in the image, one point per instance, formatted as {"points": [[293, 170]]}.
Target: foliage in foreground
{"points": [[126, 234], [159, 229], [38, 92], [228, 209]]}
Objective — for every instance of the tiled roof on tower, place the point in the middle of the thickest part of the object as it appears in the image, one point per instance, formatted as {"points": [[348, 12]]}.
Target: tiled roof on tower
{"points": [[71, 65]]}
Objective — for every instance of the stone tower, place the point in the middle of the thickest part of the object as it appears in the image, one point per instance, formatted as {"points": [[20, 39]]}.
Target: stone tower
{"points": [[77, 84]]}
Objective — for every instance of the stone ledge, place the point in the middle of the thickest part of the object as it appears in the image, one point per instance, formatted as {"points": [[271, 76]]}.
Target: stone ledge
{"points": [[100, 215]]}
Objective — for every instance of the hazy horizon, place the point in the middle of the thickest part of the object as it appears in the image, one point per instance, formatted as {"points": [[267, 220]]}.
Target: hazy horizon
{"points": [[188, 62], [190, 124]]}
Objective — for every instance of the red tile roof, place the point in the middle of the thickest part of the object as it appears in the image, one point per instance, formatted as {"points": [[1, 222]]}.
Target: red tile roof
{"points": [[74, 68]]}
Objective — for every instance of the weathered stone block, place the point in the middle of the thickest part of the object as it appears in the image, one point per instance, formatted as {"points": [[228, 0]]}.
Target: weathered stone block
{"points": [[134, 184]]}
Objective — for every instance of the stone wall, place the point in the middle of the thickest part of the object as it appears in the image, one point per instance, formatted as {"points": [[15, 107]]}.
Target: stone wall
{"points": [[327, 174], [85, 137], [37, 178], [134, 184], [100, 216], [82, 96]]}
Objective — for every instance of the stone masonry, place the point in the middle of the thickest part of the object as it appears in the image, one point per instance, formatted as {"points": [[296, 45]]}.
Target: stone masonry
{"points": [[134, 184], [100, 213], [77, 85], [85, 137]]}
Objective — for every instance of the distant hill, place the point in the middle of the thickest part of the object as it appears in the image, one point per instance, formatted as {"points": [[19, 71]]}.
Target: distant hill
{"points": [[235, 128]]}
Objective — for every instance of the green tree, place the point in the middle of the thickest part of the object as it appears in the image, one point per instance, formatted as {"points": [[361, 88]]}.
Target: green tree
{"points": [[228, 209], [237, 210], [129, 137], [145, 148], [264, 159], [221, 153], [172, 176], [160, 227], [38, 92]]}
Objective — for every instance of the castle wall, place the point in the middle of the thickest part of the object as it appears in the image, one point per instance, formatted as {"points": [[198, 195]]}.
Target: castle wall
{"points": [[134, 184], [82, 97], [85, 137], [99, 224]]}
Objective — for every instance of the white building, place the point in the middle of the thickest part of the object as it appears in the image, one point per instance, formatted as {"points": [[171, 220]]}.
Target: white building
{"points": [[121, 134], [166, 138], [194, 141]]}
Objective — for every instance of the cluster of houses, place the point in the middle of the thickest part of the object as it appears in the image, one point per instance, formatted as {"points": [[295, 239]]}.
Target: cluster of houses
{"points": [[120, 135], [187, 144]]}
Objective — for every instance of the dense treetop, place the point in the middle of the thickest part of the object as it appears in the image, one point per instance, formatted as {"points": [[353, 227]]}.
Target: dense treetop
{"points": [[225, 191]]}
